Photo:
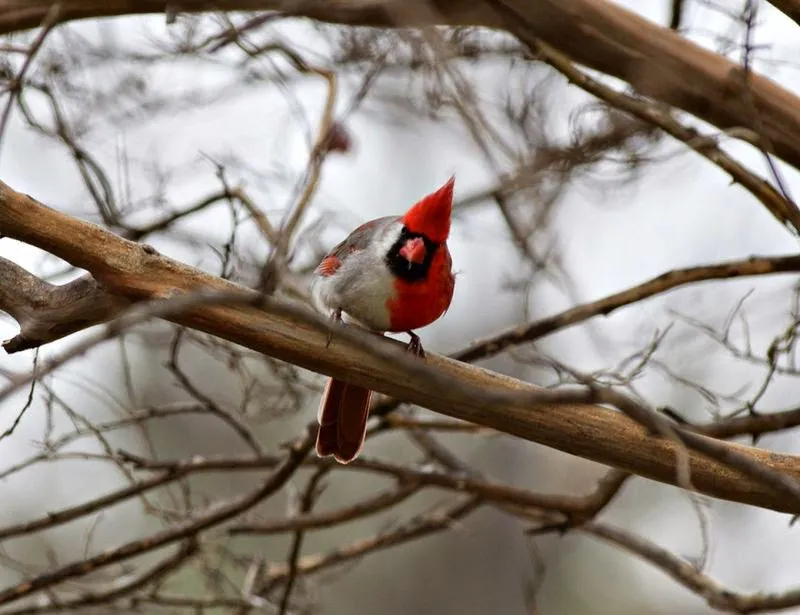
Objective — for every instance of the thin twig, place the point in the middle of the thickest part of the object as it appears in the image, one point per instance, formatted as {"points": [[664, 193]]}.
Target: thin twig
{"points": [[49, 22], [753, 266]]}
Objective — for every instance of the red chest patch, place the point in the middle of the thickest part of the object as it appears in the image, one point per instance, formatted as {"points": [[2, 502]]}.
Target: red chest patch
{"points": [[418, 304]]}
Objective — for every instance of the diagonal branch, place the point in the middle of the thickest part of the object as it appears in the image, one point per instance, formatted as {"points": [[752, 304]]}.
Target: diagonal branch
{"points": [[15, 88], [425, 524], [753, 266], [164, 568], [776, 202], [689, 576], [186, 530], [292, 334]]}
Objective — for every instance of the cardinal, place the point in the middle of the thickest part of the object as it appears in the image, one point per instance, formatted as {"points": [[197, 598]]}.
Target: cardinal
{"points": [[392, 274]]}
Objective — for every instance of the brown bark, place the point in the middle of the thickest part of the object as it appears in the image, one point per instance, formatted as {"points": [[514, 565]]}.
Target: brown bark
{"points": [[135, 272], [46, 312], [790, 8]]}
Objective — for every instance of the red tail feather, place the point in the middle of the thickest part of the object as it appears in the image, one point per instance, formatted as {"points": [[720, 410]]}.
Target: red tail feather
{"points": [[343, 414]]}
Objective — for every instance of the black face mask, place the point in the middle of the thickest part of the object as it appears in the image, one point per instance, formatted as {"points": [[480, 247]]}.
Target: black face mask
{"points": [[404, 268]]}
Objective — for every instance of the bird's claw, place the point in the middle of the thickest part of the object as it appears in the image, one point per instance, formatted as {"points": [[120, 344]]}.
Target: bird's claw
{"points": [[415, 345], [336, 317]]}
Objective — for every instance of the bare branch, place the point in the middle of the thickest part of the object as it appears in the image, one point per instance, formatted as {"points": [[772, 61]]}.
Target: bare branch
{"points": [[168, 566], [187, 529], [308, 521], [753, 266], [777, 203], [601, 35], [753, 425], [421, 525], [298, 336], [65, 515], [689, 576], [46, 312], [440, 519], [51, 19]]}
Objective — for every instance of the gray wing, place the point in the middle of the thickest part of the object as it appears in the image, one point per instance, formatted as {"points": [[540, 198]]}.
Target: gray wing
{"points": [[356, 241]]}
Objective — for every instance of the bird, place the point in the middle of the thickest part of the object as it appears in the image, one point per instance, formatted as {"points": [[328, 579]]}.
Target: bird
{"points": [[392, 274]]}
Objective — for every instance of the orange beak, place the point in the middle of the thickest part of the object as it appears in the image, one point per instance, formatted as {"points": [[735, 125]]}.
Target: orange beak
{"points": [[414, 251]]}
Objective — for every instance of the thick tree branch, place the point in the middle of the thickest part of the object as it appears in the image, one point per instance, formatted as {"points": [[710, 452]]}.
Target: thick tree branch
{"points": [[790, 8], [46, 312], [602, 35], [137, 272]]}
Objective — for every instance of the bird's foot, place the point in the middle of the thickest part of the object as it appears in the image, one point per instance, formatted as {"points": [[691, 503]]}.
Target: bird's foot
{"points": [[415, 345], [336, 317]]}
